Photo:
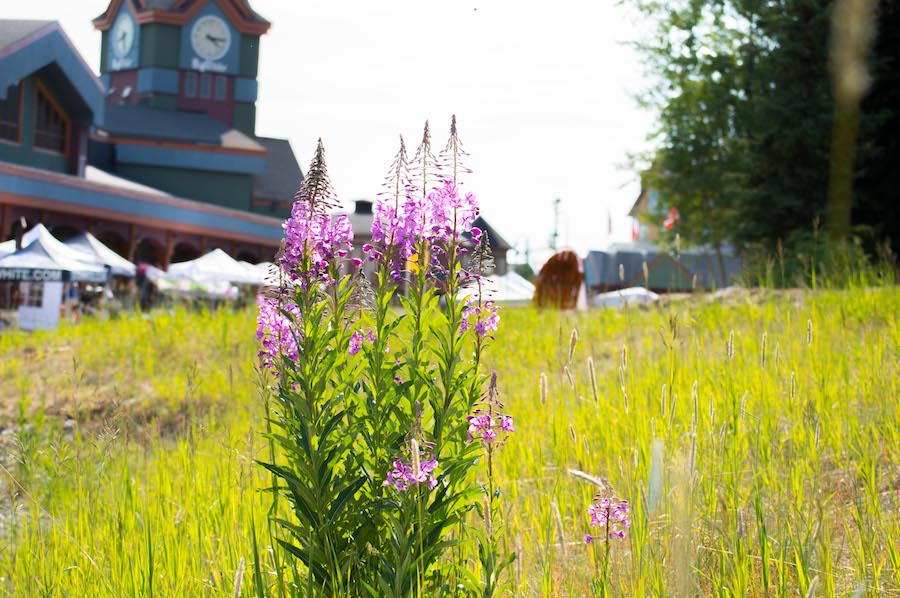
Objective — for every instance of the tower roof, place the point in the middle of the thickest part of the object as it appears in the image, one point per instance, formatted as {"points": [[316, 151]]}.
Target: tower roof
{"points": [[179, 12]]}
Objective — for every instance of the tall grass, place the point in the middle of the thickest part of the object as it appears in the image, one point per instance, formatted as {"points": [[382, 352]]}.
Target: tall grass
{"points": [[757, 439]]}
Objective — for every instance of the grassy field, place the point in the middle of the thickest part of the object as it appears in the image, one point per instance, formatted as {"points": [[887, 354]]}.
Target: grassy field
{"points": [[757, 438]]}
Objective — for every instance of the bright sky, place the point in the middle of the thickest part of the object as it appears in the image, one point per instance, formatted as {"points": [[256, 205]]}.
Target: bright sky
{"points": [[543, 95]]}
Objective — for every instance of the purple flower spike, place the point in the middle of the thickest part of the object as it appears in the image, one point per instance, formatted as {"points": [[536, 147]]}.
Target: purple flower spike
{"points": [[355, 343], [403, 478], [276, 331], [610, 514]]}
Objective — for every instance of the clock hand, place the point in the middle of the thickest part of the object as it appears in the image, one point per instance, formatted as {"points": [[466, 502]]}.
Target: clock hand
{"points": [[216, 40]]}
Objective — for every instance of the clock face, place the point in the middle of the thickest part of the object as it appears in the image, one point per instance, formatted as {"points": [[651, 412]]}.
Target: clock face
{"points": [[122, 36], [210, 37]]}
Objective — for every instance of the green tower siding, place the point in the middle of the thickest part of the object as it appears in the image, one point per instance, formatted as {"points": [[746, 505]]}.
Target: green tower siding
{"points": [[273, 211], [220, 188], [104, 46], [249, 66], [162, 101], [245, 118], [160, 45], [24, 153]]}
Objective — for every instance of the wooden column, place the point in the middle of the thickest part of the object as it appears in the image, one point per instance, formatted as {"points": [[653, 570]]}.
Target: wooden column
{"points": [[203, 241], [5, 222], [132, 242], [170, 249]]}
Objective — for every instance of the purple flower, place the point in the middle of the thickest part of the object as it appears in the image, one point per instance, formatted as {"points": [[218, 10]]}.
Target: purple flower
{"points": [[276, 331], [487, 418], [450, 214], [356, 340], [403, 475], [610, 514], [483, 319], [313, 240], [588, 538], [440, 218]]}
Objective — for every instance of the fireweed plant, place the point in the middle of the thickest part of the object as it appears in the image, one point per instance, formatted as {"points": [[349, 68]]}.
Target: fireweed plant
{"points": [[609, 515], [380, 408]]}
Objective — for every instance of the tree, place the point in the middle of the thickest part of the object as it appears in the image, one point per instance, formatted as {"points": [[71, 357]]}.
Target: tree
{"points": [[747, 116]]}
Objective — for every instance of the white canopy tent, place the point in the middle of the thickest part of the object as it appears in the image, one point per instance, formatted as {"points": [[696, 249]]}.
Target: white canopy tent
{"points": [[624, 297], [44, 259], [215, 267], [509, 289], [88, 244], [43, 266]]}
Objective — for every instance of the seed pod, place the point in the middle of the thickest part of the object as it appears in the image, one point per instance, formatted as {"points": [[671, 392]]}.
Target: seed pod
{"points": [[415, 459]]}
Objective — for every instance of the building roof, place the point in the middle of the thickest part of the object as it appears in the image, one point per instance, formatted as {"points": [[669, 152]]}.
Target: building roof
{"points": [[361, 224], [143, 122], [179, 12], [27, 47], [108, 199], [494, 238], [282, 176], [13, 30]]}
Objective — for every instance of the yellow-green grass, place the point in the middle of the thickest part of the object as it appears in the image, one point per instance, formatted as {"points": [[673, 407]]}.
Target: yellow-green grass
{"points": [[780, 473]]}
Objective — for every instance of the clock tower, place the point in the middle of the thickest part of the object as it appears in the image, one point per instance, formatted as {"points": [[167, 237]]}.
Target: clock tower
{"points": [[184, 55]]}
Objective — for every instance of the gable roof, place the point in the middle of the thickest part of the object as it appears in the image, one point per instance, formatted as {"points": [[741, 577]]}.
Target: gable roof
{"points": [[12, 31], [179, 12], [143, 122], [30, 46], [494, 238], [282, 176]]}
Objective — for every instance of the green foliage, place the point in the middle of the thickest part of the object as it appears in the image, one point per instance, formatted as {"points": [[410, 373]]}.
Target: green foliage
{"points": [[745, 127]]}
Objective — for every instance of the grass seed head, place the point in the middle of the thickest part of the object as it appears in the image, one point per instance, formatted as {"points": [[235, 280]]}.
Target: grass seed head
{"points": [[239, 579], [809, 331], [763, 349], [573, 340], [543, 383], [593, 379]]}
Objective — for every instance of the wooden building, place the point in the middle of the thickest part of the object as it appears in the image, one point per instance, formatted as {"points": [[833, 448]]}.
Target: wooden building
{"points": [[157, 156]]}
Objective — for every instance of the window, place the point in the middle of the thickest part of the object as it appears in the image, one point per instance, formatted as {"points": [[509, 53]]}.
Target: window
{"points": [[34, 295], [10, 110], [51, 128], [190, 85], [205, 86], [221, 87]]}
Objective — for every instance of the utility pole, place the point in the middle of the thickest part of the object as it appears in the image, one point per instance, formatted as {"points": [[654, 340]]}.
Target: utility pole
{"points": [[554, 238]]}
